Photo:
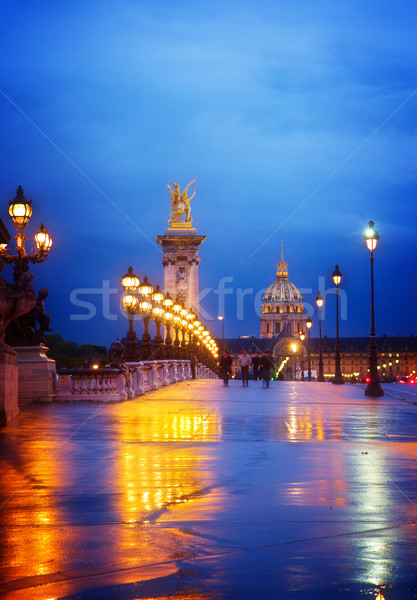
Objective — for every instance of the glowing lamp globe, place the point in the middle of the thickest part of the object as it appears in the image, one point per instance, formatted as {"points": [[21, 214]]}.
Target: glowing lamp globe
{"points": [[371, 236], [146, 289], [43, 239], [20, 209], [157, 296], [337, 275], [130, 281], [167, 301], [157, 312], [177, 307], [145, 306], [319, 300], [130, 303]]}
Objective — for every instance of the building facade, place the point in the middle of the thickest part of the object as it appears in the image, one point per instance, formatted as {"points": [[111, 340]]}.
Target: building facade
{"points": [[397, 356]]}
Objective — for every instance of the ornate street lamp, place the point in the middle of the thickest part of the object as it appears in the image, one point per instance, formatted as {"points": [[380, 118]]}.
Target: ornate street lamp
{"points": [[302, 338], [20, 211], [184, 332], [167, 318], [176, 321], [157, 315], [320, 303], [338, 378], [374, 387], [309, 323], [176, 309], [145, 308], [130, 305]]}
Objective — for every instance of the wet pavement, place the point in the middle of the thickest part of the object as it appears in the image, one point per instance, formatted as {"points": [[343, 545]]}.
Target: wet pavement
{"points": [[199, 492]]}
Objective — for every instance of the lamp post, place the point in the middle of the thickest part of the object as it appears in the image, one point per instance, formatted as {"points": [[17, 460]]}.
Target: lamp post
{"points": [[157, 315], [302, 338], [309, 323], [320, 303], [176, 309], [221, 318], [338, 378], [130, 304], [294, 350], [145, 307], [168, 316], [20, 211], [374, 387]]}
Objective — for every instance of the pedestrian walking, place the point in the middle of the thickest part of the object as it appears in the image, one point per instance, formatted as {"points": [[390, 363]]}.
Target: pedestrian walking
{"points": [[256, 361], [225, 366], [267, 365], [244, 362]]}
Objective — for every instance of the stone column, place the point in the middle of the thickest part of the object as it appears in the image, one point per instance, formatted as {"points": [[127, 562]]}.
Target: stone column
{"points": [[181, 259], [37, 375], [9, 407], [193, 288]]}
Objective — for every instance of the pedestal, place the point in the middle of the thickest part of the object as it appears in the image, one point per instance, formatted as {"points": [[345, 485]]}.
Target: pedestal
{"points": [[181, 259], [9, 407], [37, 375]]}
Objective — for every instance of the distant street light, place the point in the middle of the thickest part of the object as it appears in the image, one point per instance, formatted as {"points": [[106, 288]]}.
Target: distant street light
{"points": [[320, 303], [374, 387], [302, 338], [294, 349], [338, 378], [221, 318], [309, 323]]}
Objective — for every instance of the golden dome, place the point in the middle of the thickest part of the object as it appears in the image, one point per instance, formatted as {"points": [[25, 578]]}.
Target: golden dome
{"points": [[282, 290]]}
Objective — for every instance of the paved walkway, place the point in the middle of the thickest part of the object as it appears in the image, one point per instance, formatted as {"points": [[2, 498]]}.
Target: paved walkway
{"points": [[303, 490]]}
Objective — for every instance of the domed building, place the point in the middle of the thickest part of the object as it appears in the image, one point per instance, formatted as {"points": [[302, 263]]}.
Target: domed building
{"points": [[282, 306]]}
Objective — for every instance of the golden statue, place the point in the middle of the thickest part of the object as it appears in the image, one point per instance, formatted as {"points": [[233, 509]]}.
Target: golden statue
{"points": [[181, 204]]}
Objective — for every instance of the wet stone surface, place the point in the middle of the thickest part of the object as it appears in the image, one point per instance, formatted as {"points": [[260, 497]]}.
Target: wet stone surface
{"points": [[202, 492]]}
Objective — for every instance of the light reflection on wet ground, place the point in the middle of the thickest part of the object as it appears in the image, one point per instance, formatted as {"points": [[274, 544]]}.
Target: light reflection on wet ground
{"points": [[201, 492]]}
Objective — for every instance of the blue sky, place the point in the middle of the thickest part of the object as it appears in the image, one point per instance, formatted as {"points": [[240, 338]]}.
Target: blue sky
{"points": [[261, 101]]}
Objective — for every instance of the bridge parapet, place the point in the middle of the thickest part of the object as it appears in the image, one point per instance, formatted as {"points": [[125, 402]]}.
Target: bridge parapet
{"points": [[112, 385]]}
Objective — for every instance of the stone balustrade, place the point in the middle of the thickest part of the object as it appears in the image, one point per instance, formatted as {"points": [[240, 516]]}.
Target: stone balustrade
{"points": [[112, 385]]}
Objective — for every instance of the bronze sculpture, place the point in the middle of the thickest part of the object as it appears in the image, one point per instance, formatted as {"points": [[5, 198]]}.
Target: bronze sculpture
{"points": [[181, 203]]}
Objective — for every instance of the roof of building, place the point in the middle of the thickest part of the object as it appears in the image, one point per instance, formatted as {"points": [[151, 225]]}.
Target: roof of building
{"points": [[282, 290]]}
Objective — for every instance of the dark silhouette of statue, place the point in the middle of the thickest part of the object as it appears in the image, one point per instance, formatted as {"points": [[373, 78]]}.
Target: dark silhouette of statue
{"points": [[23, 330], [116, 354], [16, 299]]}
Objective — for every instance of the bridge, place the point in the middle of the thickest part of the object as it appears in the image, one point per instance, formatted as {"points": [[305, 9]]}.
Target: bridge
{"points": [[199, 491]]}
